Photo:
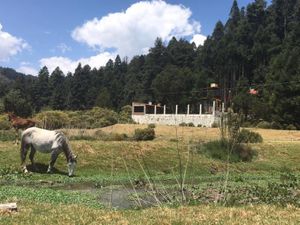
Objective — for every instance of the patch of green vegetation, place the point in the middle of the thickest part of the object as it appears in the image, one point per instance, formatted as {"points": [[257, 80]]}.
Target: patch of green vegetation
{"points": [[227, 151], [144, 134], [7, 135], [247, 136], [47, 195]]}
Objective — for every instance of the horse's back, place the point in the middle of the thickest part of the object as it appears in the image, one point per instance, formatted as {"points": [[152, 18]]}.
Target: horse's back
{"points": [[43, 140]]}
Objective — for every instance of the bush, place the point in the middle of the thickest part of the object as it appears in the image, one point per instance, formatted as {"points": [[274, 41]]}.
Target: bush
{"points": [[215, 125], [144, 134], [125, 115], [191, 124], [183, 124], [101, 135], [247, 136], [264, 125], [52, 119], [221, 148], [291, 127], [151, 125], [4, 123]]}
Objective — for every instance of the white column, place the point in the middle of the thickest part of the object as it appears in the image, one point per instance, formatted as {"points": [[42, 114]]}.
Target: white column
{"points": [[164, 109], [214, 108], [176, 109], [200, 109], [155, 110], [188, 109]]}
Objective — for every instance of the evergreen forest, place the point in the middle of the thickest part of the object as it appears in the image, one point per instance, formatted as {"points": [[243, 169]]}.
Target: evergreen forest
{"points": [[257, 48]]}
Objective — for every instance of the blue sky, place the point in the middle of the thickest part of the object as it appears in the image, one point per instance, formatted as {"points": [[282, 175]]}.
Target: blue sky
{"points": [[63, 33]]}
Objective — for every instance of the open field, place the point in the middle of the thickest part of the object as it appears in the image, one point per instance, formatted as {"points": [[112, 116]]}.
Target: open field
{"points": [[106, 167]]}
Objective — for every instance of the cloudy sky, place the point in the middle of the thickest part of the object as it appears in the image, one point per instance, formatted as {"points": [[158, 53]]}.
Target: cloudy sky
{"points": [[34, 33]]}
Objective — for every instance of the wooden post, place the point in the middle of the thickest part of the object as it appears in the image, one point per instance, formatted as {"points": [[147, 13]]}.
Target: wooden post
{"points": [[176, 109], [9, 206], [214, 108], [155, 110], [164, 109], [200, 109], [223, 107], [188, 109]]}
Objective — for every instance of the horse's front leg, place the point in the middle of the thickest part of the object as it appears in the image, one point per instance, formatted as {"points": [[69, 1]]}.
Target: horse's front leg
{"points": [[31, 157], [54, 156]]}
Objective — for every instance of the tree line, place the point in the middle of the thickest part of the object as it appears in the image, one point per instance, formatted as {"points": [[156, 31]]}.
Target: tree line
{"points": [[258, 47]]}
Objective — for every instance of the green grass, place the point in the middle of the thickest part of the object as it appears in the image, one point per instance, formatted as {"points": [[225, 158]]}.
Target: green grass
{"points": [[103, 163]]}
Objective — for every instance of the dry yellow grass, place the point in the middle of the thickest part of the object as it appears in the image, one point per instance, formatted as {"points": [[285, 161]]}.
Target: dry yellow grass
{"points": [[40, 213], [203, 132]]}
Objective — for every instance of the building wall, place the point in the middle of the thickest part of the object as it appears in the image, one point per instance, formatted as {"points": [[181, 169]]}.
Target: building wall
{"points": [[172, 119]]}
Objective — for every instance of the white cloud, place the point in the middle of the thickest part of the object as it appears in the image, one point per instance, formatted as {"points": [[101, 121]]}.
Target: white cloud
{"points": [[27, 70], [64, 48], [68, 65], [133, 31], [198, 39], [10, 45]]}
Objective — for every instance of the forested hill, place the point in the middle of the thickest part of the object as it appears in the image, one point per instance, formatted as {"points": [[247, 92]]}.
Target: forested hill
{"points": [[258, 47]]}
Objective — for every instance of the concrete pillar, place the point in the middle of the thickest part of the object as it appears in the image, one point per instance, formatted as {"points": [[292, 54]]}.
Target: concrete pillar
{"points": [[223, 107], [132, 109], [188, 109], [200, 109], [214, 108], [155, 110], [176, 110], [164, 109]]}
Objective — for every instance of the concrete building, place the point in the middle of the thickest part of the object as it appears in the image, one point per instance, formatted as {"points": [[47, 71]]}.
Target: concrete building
{"points": [[155, 113]]}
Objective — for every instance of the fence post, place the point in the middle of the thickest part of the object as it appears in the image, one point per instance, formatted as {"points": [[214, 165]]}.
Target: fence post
{"points": [[200, 109], [188, 109], [176, 109], [214, 108], [164, 109]]}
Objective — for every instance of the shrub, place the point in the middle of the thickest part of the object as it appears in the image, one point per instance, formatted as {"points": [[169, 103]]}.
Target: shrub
{"points": [[276, 125], [52, 119], [264, 125], [215, 125], [101, 135], [4, 123], [220, 149], [125, 115], [291, 127], [247, 136], [144, 134], [151, 125], [183, 124], [190, 124]]}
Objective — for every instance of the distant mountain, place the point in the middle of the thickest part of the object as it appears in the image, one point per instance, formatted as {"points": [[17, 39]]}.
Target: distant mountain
{"points": [[8, 74]]}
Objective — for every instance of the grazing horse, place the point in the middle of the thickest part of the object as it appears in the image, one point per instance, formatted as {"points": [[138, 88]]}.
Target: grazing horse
{"points": [[46, 141], [19, 123]]}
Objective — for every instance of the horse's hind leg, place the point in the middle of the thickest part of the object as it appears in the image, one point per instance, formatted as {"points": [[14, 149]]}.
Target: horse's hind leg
{"points": [[54, 156], [31, 157], [24, 150]]}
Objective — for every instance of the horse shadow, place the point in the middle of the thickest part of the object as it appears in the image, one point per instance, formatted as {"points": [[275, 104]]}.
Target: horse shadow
{"points": [[42, 169]]}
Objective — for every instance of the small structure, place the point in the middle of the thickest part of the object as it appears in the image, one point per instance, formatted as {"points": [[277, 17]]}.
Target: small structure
{"points": [[155, 113]]}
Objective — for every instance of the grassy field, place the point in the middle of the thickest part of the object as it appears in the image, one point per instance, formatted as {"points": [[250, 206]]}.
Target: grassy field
{"points": [[105, 167]]}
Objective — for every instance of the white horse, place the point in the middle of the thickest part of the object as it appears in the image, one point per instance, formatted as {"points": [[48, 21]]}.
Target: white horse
{"points": [[46, 141]]}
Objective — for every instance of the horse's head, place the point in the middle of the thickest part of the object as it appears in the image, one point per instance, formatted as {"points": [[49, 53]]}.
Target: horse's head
{"points": [[71, 165]]}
